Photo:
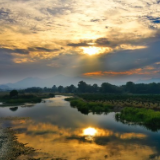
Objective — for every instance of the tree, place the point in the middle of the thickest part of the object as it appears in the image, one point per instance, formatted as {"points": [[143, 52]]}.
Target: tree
{"points": [[109, 88], [14, 93], [60, 89], [130, 87], [71, 88], [95, 88], [82, 86], [54, 88]]}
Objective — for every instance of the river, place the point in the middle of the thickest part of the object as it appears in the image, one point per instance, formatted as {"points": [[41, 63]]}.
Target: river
{"points": [[59, 131]]}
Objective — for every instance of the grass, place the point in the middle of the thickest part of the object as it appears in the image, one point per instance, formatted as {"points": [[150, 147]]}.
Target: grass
{"points": [[125, 100], [147, 117], [87, 107]]}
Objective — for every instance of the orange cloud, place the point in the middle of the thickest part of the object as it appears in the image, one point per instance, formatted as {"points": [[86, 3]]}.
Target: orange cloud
{"points": [[146, 71]]}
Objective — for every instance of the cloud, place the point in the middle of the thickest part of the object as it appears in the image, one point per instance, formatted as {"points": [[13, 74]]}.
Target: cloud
{"points": [[139, 71], [37, 31], [81, 44]]}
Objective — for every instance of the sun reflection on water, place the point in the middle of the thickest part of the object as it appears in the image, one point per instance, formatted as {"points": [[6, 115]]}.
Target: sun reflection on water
{"points": [[89, 133]]}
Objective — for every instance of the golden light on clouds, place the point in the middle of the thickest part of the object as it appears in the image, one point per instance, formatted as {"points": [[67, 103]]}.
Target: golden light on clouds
{"points": [[26, 24], [82, 36], [148, 70]]}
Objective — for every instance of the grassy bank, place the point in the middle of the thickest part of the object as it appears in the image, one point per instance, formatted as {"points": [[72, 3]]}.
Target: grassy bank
{"points": [[125, 100], [21, 99], [147, 117], [87, 107]]}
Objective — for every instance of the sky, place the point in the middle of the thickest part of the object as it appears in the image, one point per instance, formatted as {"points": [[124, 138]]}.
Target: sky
{"points": [[113, 40]]}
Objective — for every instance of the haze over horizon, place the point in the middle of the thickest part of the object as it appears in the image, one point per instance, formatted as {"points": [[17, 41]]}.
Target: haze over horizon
{"points": [[114, 41]]}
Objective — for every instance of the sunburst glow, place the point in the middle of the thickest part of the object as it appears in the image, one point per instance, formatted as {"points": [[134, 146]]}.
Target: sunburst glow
{"points": [[91, 50], [89, 131]]}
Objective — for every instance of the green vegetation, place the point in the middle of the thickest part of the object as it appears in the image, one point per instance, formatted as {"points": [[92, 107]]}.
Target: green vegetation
{"points": [[15, 98], [125, 100], [87, 107], [138, 109], [147, 117]]}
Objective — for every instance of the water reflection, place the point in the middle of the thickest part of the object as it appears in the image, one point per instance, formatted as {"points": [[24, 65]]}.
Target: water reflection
{"points": [[153, 127], [14, 109], [69, 143], [60, 131]]}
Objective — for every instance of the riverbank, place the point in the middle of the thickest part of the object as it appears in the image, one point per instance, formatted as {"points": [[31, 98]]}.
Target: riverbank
{"points": [[150, 118], [10, 148]]}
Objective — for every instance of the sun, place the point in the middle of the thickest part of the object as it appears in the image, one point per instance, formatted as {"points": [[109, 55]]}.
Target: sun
{"points": [[91, 50], [89, 131]]}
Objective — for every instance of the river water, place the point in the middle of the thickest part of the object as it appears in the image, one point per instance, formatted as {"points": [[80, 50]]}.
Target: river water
{"points": [[60, 132]]}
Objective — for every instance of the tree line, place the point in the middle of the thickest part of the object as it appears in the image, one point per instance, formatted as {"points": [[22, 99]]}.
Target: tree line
{"points": [[83, 87]]}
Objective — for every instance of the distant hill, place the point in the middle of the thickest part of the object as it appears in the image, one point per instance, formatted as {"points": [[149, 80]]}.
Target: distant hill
{"points": [[63, 80], [57, 80], [155, 80], [4, 87]]}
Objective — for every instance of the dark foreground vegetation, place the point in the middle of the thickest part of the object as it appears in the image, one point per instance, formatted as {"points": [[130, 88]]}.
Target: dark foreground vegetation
{"points": [[15, 98]]}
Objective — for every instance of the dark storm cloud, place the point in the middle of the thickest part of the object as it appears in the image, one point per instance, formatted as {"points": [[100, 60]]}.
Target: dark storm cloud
{"points": [[4, 13], [81, 44], [42, 49], [5, 59], [154, 19], [102, 42], [56, 10], [127, 60], [105, 42], [19, 51]]}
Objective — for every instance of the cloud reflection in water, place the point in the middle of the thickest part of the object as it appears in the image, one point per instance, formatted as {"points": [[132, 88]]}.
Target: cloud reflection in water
{"points": [[72, 143]]}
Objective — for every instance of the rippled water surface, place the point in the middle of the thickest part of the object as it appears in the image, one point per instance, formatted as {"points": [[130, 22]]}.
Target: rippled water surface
{"points": [[59, 131]]}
